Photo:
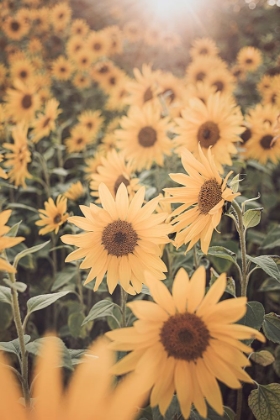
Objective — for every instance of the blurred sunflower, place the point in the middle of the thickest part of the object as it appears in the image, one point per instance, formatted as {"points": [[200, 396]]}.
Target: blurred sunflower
{"points": [[19, 156], [7, 241], [249, 58], [92, 121], [122, 239], [203, 47], [40, 18], [60, 16], [22, 102], [152, 35], [53, 215], [108, 142], [202, 67], [81, 80], [79, 138], [143, 88], [172, 94], [143, 137], [199, 90], [79, 27], [132, 31], [112, 172], [265, 83], [202, 196], [35, 46], [22, 70], [45, 122], [15, 27], [3, 74], [216, 124], [101, 70], [73, 46], [263, 145], [221, 81], [170, 40], [62, 68], [92, 164], [75, 191], [2, 172], [272, 94], [115, 37], [185, 341], [118, 95], [97, 43], [83, 59], [110, 81]]}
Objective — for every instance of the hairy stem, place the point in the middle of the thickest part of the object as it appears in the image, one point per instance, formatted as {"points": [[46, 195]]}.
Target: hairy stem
{"points": [[123, 307]]}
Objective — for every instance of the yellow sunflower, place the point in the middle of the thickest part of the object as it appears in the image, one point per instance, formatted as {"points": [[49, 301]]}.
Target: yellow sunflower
{"points": [[40, 18], [265, 83], [53, 215], [60, 16], [185, 342], [107, 143], [91, 121], [91, 391], [110, 81], [92, 163], [249, 58], [170, 40], [122, 239], [118, 95], [62, 68], [221, 81], [3, 74], [97, 43], [115, 37], [35, 46], [171, 94], [79, 27], [83, 59], [203, 47], [45, 123], [79, 138], [22, 70], [199, 90], [132, 31], [19, 156], [263, 145], [15, 27], [216, 124], [81, 80], [75, 191], [7, 241], [272, 94], [101, 70], [22, 102], [143, 137], [203, 195], [74, 45], [202, 66], [112, 172]]}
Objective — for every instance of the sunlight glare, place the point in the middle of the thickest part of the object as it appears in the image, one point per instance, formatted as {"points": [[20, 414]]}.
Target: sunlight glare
{"points": [[169, 9]]}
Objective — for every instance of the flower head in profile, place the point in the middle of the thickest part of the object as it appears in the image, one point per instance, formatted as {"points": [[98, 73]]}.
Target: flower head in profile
{"points": [[53, 215], [186, 341], [121, 239], [203, 195], [45, 123], [91, 393], [7, 241], [75, 191]]}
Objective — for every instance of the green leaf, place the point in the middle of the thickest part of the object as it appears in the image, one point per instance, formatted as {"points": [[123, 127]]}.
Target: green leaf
{"points": [[75, 321], [234, 183], [5, 295], [101, 309], [14, 230], [222, 252], [35, 347], [263, 357], [272, 239], [276, 364], [270, 285], [29, 251], [267, 264], [253, 318], [6, 316], [265, 402], [212, 415], [13, 346], [18, 285], [271, 327], [23, 207], [63, 278], [59, 171], [252, 217], [42, 301]]}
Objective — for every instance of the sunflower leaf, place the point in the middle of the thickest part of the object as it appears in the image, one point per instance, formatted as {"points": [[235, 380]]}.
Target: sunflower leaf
{"points": [[42, 301], [263, 357], [101, 309], [29, 251], [5, 295], [35, 347], [254, 317], [276, 364], [222, 252], [13, 346], [272, 239], [252, 217], [271, 327], [265, 402], [267, 264]]}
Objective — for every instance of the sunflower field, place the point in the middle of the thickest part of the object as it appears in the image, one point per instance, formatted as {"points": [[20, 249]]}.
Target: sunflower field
{"points": [[139, 209]]}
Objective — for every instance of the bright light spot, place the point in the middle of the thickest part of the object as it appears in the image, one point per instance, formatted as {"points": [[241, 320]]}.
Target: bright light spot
{"points": [[252, 6], [278, 3], [168, 9], [271, 2]]}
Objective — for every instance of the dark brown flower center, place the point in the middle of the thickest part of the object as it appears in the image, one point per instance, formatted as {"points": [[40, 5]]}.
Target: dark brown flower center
{"points": [[104, 69], [79, 140], [185, 337], [112, 81], [46, 122], [97, 46], [203, 51], [89, 125], [23, 74], [248, 61], [200, 76], [209, 195], [26, 101], [208, 134], [119, 238], [120, 179], [57, 218], [15, 26], [218, 85], [246, 135], [147, 136], [148, 95], [62, 69], [266, 142]]}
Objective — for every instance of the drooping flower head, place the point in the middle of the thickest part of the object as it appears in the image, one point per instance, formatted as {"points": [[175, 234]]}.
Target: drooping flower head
{"points": [[184, 342], [203, 195], [53, 215], [122, 239], [7, 241]]}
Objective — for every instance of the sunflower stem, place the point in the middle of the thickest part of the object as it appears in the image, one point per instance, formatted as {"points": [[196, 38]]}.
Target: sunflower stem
{"points": [[123, 307], [20, 333]]}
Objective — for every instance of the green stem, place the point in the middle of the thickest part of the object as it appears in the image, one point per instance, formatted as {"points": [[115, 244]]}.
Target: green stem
{"points": [[195, 257], [123, 306], [239, 404]]}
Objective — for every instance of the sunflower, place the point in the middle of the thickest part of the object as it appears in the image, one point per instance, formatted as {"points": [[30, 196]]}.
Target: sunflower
{"points": [[153, 35], [40, 18], [97, 43], [7, 241], [203, 47], [102, 70], [199, 90], [203, 196], [22, 102], [92, 121], [249, 58], [91, 391], [143, 137], [83, 59], [79, 27], [122, 239], [216, 124], [60, 16], [118, 95], [81, 80], [115, 36], [112, 80], [19, 156], [112, 172], [92, 164], [2, 172], [79, 138], [265, 83], [171, 94], [74, 45], [170, 40], [75, 191], [62, 68], [263, 145], [35, 46], [272, 94], [132, 31], [22, 70], [107, 143], [15, 27], [45, 123], [201, 67], [143, 88], [221, 81], [53, 215], [3, 74], [185, 341]]}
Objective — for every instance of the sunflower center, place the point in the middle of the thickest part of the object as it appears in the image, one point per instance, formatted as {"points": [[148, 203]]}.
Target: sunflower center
{"points": [[203, 51], [208, 134], [23, 74], [118, 182], [57, 218], [219, 86], [148, 95], [26, 101], [112, 81], [265, 142], [246, 135], [104, 69], [119, 238], [15, 26], [97, 46], [62, 69], [46, 122], [248, 61], [147, 136], [79, 140], [209, 195], [185, 337], [200, 76], [89, 125]]}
